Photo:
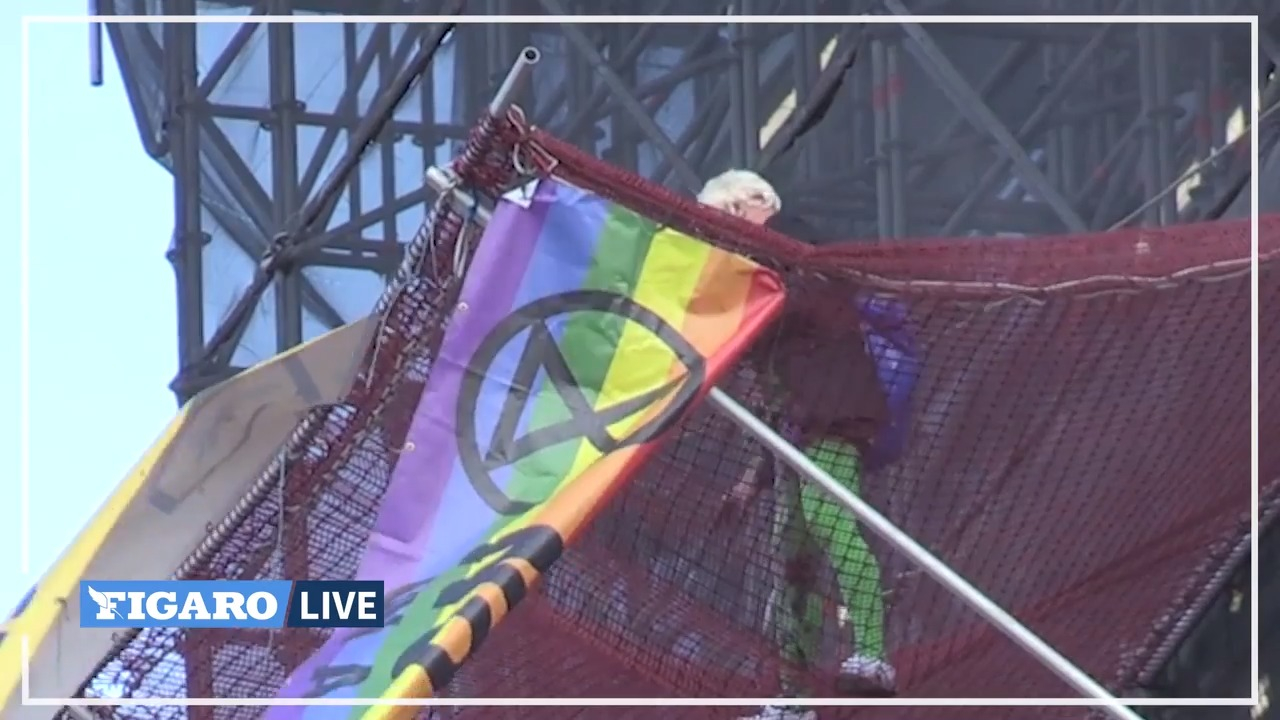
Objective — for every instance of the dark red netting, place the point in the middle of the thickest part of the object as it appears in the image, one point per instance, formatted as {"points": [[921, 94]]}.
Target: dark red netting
{"points": [[1079, 447]]}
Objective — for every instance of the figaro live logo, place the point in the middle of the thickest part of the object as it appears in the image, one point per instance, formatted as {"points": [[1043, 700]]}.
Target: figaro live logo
{"points": [[231, 603]]}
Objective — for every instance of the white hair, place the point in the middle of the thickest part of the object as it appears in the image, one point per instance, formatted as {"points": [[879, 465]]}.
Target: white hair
{"points": [[732, 189]]}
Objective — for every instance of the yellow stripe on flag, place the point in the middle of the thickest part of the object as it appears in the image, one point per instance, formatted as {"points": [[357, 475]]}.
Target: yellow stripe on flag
{"points": [[666, 285]]}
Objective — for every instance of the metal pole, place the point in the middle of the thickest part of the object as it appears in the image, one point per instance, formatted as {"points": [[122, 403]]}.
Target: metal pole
{"points": [[699, 136], [295, 243], [518, 76], [966, 99], [925, 560], [1151, 180], [516, 79], [189, 239], [95, 47], [748, 69], [589, 112], [894, 154], [283, 91], [1167, 147], [880, 124]]}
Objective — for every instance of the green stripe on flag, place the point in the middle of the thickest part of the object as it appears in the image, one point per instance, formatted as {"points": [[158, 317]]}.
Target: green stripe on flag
{"points": [[588, 344]]}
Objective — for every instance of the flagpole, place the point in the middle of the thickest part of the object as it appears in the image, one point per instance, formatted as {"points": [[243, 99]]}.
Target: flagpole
{"points": [[918, 554], [515, 81], [442, 181]]}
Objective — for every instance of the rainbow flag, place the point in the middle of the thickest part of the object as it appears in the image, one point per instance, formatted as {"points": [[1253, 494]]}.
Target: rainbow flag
{"points": [[582, 333]]}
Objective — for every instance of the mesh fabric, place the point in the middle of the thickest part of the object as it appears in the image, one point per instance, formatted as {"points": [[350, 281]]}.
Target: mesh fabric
{"points": [[1078, 446]]}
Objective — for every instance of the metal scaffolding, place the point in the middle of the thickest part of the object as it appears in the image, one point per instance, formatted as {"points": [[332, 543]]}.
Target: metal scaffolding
{"points": [[293, 199], [299, 151]]}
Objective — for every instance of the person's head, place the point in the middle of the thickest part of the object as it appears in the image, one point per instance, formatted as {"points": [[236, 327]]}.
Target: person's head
{"points": [[742, 193]]}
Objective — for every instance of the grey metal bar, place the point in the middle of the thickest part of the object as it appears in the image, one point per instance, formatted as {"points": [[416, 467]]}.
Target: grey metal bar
{"points": [[1215, 114], [700, 132], [925, 560], [317, 210], [345, 108], [1151, 181], [896, 150], [95, 47], [1070, 147], [714, 153], [297, 242], [283, 90], [999, 75], [213, 76], [1053, 135], [515, 81], [588, 112], [186, 251], [387, 150], [956, 136], [351, 75], [1166, 144], [880, 123], [891, 216], [967, 100], [1109, 162], [334, 119], [383, 210], [738, 129], [624, 141], [254, 203], [1126, 167], [656, 92], [1038, 116], [749, 70]]}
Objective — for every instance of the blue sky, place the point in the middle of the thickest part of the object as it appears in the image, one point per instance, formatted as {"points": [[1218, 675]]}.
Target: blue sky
{"points": [[102, 304], [103, 316]]}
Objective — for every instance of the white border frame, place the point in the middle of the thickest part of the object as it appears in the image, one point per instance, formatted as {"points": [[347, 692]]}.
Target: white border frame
{"points": [[24, 371]]}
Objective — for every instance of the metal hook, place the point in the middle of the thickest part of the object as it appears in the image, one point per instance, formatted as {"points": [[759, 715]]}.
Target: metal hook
{"points": [[518, 162]]}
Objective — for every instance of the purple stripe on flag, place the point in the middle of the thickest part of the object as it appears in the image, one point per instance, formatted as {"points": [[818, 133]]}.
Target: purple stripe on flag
{"points": [[494, 277], [556, 267], [409, 505]]}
